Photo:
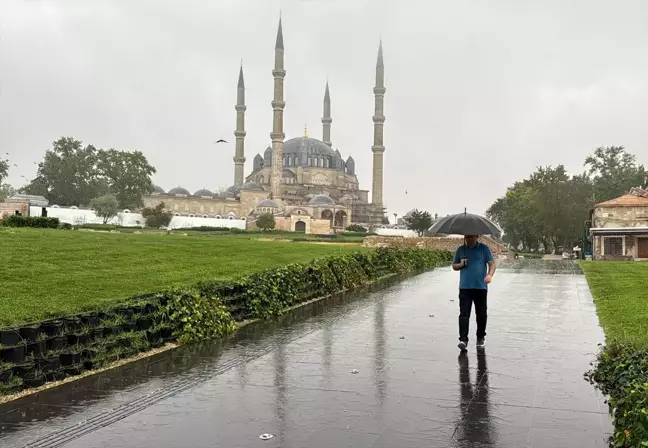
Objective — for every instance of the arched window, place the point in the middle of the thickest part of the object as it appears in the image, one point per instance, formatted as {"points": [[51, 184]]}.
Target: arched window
{"points": [[309, 161]]}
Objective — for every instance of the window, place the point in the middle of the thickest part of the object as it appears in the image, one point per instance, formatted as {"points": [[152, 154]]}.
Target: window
{"points": [[309, 161], [612, 245]]}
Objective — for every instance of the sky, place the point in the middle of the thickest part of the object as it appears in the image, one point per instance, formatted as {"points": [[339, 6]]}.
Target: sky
{"points": [[478, 93]]}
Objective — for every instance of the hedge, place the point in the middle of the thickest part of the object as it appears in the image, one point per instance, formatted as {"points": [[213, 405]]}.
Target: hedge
{"points": [[621, 373], [57, 348], [30, 221]]}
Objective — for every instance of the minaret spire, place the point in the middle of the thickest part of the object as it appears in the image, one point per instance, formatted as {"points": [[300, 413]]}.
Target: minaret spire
{"points": [[239, 133], [379, 119], [326, 119], [278, 105]]}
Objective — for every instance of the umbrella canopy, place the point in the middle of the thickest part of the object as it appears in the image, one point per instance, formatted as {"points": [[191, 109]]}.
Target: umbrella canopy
{"points": [[465, 224]]}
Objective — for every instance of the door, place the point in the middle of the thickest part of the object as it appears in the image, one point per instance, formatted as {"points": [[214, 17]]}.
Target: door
{"points": [[642, 247], [300, 226]]}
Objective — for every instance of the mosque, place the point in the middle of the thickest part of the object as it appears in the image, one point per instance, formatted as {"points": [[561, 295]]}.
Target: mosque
{"points": [[303, 182]]}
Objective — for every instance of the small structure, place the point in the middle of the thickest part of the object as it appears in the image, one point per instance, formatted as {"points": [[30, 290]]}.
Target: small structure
{"points": [[23, 204], [620, 227]]}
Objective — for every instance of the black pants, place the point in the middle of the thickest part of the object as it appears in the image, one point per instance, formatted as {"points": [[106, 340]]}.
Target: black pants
{"points": [[466, 299]]}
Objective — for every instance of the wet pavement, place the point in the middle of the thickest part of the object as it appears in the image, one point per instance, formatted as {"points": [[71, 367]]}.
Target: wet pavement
{"points": [[380, 370]]}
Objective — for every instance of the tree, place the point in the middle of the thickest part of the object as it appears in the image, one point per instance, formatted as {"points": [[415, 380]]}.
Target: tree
{"points": [[614, 172], [105, 207], [6, 191], [128, 175], [4, 169], [157, 216], [545, 211], [266, 222], [419, 221], [73, 174]]}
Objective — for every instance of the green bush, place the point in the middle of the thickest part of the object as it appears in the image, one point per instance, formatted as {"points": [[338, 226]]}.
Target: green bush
{"points": [[622, 374], [357, 228], [65, 226], [41, 222], [195, 317]]}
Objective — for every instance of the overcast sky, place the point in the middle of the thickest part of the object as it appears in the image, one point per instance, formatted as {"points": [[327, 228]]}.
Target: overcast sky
{"points": [[478, 92]]}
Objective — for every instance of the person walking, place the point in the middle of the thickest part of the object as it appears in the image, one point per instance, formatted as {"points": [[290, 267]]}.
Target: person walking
{"points": [[476, 265]]}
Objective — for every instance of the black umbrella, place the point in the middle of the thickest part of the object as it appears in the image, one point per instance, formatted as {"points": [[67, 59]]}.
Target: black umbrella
{"points": [[465, 224]]}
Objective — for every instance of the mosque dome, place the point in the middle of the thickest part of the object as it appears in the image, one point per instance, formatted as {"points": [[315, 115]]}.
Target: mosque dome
{"points": [[310, 145], [268, 203], [321, 200], [203, 192], [159, 190], [251, 186], [179, 191]]}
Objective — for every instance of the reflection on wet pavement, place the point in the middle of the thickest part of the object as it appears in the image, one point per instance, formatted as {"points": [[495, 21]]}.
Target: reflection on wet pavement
{"points": [[293, 378]]}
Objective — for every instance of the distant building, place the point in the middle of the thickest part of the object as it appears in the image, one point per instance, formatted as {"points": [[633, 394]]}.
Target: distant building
{"points": [[620, 227], [303, 181]]}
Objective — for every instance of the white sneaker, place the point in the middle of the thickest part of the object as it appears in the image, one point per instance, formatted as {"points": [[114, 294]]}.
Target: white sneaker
{"points": [[481, 343], [462, 345]]}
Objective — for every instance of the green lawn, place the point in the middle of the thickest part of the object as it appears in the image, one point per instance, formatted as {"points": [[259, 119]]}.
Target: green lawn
{"points": [[46, 273], [620, 291]]}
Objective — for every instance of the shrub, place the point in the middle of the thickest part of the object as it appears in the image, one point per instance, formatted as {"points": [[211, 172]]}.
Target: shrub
{"points": [[30, 221], [356, 228], [157, 216], [195, 317], [622, 373], [266, 222], [65, 226]]}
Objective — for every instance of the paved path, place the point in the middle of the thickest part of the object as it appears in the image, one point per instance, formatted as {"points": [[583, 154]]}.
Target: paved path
{"points": [[293, 379]]}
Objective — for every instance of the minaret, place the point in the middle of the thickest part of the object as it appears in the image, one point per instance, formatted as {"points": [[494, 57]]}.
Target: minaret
{"points": [[239, 154], [379, 119], [278, 105], [326, 119]]}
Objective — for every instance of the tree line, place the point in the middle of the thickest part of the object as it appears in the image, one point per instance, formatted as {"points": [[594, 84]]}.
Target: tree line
{"points": [[550, 209], [72, 173]]}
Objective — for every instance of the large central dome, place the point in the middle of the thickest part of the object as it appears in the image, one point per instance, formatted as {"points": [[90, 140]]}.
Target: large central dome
{"points": [[311, 145]]}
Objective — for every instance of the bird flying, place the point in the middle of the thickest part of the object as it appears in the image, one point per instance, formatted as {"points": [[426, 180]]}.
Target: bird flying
{"points": [[220, 141]]}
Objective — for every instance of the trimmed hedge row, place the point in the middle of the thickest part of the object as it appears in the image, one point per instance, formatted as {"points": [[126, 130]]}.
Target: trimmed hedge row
{"points": [[53, 349], [30, 221], [622, 374]]}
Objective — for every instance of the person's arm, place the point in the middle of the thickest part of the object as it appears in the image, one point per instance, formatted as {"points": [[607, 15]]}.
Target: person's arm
{"points": [[458, 263], [491, 265]]}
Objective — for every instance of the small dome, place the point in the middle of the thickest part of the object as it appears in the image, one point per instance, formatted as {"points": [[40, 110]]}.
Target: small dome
{"points": [[226, 194], [179, 191], [267, 203], [251, 186], [321, 199], [159, 190], [203, 192], [234, 189]]}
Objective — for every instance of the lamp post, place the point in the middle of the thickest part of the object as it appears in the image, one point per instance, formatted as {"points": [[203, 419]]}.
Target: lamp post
{"points": [[584, 245]]}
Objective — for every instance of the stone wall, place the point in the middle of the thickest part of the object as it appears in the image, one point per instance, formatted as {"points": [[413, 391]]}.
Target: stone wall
{"points": [[620, 217], [451, 244], [9, 207]]}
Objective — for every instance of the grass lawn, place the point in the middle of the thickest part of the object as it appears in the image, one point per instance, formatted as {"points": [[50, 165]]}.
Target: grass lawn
{"points": [[46, 273], [620, 291]]}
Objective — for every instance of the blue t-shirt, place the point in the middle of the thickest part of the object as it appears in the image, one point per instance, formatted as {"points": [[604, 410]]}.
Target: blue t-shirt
{"points": [[472, 276]]}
